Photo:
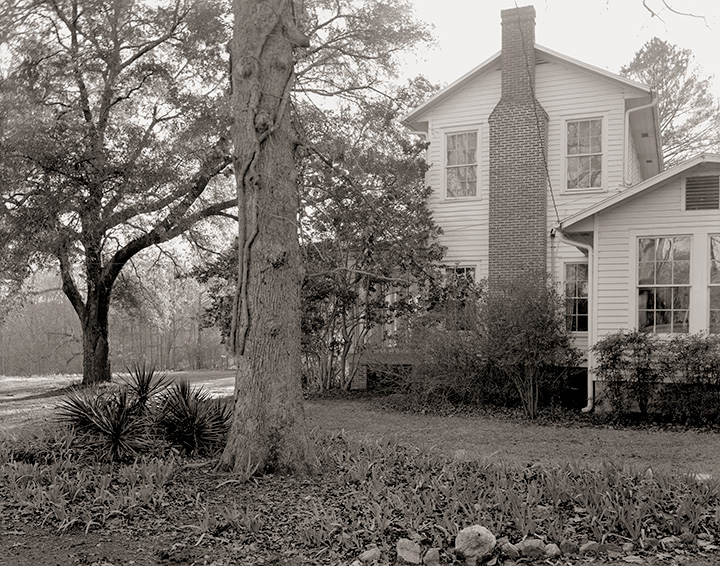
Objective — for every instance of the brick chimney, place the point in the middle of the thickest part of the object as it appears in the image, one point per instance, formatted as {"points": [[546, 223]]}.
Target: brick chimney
{"points": [[518, 131]]}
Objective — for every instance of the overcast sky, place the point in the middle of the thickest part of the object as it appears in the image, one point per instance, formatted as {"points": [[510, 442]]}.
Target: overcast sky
{"points": [[604, 33]]}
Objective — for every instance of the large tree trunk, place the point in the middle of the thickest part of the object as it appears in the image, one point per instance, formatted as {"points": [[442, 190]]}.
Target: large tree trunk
{"points": [[96, 346], [268, 431]]}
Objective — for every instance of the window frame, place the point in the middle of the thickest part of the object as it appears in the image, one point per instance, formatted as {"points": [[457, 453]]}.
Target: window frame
{"points": [[710, 285], [472, 128], [603, 117], [566, 264], [690, 286]]}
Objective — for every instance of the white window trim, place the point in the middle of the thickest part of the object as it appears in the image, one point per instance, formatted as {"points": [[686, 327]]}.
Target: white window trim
{"points": [[565, 263], [563, 152], [699, 294], [443, 161]]}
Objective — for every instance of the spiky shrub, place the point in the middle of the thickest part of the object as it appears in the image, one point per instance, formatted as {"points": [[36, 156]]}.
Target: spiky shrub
{"points": [[145, 383], [192, 420], [109, 423]]}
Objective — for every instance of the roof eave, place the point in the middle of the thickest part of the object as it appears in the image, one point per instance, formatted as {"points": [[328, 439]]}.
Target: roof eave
{"points": [[647, 184]]}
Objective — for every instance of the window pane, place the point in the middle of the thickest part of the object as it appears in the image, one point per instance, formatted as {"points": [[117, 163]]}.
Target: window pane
{"points": [[715, 298], [646, 321], [681, 249], [663, 249], [663, 297], [681, 272], [681, 321], [663, 273], [646, 298], [681, 298], [647, 249], [715, 322], [646, 273]]}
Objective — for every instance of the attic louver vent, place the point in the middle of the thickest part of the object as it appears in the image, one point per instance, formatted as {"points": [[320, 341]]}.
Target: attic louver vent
{"points": [[702, 193]]}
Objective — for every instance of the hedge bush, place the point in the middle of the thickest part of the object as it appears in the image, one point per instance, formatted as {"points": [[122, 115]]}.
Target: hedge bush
{"points": [[674, 379]]}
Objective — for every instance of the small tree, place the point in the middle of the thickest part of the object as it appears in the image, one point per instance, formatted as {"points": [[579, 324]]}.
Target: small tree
{"points": [[526, 340]]}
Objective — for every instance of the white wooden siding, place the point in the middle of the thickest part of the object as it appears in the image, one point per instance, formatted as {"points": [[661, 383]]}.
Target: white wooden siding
{"points": [[656, 212], [464, 221], [564, 91]]}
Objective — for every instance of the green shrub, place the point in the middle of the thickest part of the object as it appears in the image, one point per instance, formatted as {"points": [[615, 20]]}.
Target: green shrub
{"points": [[673, 379], [526, 342], [629, 363], [193, 421], [506, 348], [451, 367], [691, 372]]}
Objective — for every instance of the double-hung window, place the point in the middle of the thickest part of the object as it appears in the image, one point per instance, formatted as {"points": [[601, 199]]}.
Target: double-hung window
{"points": [[664, 284], [576, 297], [584, 154], [461, 164]]}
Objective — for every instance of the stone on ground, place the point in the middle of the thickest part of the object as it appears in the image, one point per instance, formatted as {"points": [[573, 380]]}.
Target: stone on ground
{"points": [[531, 547], [474, 543], [370, 554], [408, 551]]}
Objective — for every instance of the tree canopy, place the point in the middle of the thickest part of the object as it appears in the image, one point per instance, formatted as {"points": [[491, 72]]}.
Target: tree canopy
{"points": [[113, 138], [689, 114]]}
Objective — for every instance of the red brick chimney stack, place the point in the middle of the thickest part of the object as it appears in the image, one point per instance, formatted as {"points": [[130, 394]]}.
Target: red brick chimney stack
{"points": [[518, 138]]}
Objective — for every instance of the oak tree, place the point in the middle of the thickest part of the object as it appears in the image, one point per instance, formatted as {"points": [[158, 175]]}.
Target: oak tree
{"points": [[112, 139]]}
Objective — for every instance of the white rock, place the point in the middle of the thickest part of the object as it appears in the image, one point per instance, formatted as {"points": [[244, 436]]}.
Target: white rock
{"points": [[531, 547], [370, 555], [475, 542], [408, 551], [432, 557], [552, 550]]}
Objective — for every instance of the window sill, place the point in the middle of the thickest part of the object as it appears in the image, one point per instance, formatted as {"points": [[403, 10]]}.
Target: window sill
{"points": [[460, 199], [584, 191]]}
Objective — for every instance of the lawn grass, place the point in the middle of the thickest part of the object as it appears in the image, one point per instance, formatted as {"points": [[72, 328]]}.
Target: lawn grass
{"points": [[518, 442], [24, 401]]}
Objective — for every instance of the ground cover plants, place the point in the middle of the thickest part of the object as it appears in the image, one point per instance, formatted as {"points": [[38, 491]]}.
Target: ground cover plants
{"points": [[371, 490]]}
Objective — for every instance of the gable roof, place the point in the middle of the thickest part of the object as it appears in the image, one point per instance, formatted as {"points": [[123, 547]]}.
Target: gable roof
{"points": [[413, 119], [646, 185]]}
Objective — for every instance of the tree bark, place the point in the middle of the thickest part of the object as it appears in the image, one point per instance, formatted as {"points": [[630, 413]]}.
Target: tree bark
{"points": [[96, 346], [268, 433]]}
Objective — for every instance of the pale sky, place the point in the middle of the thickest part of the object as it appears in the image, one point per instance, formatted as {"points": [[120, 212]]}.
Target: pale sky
{"points": [[604, 33]]}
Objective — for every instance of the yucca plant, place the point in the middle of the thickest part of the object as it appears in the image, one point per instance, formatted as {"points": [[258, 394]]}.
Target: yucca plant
{"points": [[192, 420], [145, 382], [110, 423]]}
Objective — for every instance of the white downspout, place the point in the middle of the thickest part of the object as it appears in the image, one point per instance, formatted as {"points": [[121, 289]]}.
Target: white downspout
{"points": [[591, 309], [626, 141]]}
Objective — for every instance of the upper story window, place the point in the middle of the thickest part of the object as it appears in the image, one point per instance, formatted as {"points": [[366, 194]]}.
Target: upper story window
{"points": [[461, 164], [702, 193], [664, 284], [584, 153], [576, 297]]}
